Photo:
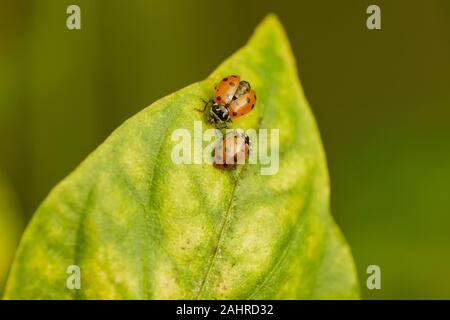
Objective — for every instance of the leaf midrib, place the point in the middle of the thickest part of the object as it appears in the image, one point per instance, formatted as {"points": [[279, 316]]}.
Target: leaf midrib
{"points": [[225, 220]]}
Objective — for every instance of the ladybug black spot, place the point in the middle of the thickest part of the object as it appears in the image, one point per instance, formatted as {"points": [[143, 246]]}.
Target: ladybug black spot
{"points": [[234, 113], [253, 105], [248, 100], [234, 76], [219, 98], [225, 79], [254, 96]]}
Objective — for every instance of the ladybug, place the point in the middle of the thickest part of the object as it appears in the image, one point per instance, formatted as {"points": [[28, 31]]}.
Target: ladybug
{"points": [[232, 99], [232, 150]]}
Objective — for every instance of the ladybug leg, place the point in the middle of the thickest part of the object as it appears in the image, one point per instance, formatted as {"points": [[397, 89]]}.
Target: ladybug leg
{"points": [[208, 104]]}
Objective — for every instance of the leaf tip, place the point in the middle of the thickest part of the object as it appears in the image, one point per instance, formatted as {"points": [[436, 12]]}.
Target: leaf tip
{"points": [[271, 18], [272, 23], [271, 30]]}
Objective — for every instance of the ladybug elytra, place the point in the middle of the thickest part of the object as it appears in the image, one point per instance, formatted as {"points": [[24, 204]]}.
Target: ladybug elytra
{"points": [[232, 150]]}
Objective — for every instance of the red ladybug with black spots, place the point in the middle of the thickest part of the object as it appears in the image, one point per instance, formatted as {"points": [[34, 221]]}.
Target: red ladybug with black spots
{"points": [[232, 150], [232, 99]]}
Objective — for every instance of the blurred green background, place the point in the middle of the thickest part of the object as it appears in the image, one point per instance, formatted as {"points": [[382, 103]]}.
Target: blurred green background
{"points": [[381, 99]]}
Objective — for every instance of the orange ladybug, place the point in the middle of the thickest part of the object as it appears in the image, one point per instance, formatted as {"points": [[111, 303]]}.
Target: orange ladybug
{"points": [[232, 99], [232, 150]]}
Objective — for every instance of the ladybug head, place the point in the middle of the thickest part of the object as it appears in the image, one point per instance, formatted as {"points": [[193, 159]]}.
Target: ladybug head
{"points": [[220, 112]]}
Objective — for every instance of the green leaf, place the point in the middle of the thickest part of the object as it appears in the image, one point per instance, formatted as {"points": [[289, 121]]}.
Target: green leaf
{"points": [[141, 227], [10, 227]]}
